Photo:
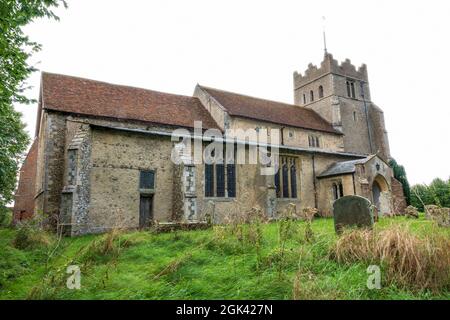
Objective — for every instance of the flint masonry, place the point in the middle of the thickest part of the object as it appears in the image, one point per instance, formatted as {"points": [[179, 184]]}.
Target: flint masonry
{"points": [[101, 157]]}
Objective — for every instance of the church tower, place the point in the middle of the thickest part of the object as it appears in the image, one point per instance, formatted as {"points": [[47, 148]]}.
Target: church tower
{"points": [[340, 93]]}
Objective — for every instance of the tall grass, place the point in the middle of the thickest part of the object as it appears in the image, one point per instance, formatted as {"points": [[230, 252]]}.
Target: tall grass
{"points": [[407, 260]]}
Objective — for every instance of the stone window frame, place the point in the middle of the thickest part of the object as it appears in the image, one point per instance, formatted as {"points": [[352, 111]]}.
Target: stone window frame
{"points": [[311, 96], [304, 98], [337, 189], [314, 141], [292, 161]]}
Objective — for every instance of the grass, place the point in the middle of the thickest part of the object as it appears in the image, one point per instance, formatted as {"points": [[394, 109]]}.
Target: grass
{"points": [[232, 262]]}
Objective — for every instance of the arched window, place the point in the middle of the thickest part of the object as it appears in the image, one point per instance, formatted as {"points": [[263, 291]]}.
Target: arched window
{"points": [[320, 92], [304, 98], [311, 95]]}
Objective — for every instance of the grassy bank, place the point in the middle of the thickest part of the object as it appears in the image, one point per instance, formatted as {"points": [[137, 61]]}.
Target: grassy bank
{"points": [[233, 262]]}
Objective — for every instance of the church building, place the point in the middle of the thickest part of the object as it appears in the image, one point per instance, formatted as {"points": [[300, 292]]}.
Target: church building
{"points": [[103, 154]]}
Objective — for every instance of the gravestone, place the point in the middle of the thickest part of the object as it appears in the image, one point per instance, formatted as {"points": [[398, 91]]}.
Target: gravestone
{"points": [[411, 212], [352, 211]]}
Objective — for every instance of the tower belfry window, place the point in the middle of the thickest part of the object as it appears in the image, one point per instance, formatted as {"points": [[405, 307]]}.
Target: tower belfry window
{"points": [[351, 93]]}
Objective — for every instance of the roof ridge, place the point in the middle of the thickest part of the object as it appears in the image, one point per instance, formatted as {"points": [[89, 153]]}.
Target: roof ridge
{"points": [[253, 97], [116, 84]]}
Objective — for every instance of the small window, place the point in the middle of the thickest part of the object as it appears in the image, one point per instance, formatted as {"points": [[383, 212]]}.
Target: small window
{"points": [[354, 115], [311, 96], [338, 191], [314, 141], [291, 134], [147, 180], [351, 89], [304, 98], [320, 92], [286, 178]]}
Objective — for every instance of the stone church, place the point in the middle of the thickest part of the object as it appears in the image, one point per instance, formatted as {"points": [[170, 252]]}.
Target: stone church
{"points": [[102, 154]]}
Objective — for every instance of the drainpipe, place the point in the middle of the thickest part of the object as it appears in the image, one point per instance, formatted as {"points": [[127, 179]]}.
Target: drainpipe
{"points": [[354, 186], [367, 116]]}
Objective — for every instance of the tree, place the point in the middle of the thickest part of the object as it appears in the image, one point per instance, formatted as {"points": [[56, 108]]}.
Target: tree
{"points": [[15, 49], [400, 175], [437, 193]]}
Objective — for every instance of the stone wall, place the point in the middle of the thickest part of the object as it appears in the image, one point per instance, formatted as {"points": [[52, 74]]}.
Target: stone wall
{"points": [[117, 159], [50, 172], [293, 137]]}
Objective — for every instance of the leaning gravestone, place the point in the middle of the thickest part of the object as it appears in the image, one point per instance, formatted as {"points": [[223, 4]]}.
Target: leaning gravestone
{"points": [[352, 211]]}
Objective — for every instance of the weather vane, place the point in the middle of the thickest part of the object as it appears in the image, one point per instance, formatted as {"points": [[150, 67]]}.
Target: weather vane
{"points": [[324, 35]]}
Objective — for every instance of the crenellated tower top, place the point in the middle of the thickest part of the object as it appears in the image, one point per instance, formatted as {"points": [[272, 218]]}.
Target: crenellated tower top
{"points": [[330, 65]]}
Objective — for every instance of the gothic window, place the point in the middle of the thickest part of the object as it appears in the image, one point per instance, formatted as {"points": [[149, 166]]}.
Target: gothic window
{"points": [[311, 96], [338, 190], [286, 178], [351, 89], [220, 180], [314, 141], [147, 180], [304, 98], [320, 92]]}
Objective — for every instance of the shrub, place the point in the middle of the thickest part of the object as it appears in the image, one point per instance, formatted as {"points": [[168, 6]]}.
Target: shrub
{"points": [[407, 260], [30, 236]]}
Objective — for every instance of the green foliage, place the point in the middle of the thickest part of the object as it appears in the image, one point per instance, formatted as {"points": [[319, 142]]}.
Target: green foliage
{"points": [[437, 193], [5, 216], [15, 49], [400, 175]]}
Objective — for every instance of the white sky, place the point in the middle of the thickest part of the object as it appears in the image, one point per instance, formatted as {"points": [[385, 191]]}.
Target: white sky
{"points": [[253, 47]]}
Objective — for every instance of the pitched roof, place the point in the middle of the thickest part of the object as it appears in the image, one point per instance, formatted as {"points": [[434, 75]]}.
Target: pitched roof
{"points": [[343, 167], [95, 98], [270, 111]]}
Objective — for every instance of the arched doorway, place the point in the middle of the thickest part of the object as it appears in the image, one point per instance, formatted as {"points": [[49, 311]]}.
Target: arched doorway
{"points": [[380, 194]]}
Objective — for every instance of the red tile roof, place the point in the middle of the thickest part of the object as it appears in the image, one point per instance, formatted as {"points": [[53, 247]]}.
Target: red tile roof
{"points": [[270, 111], [95, 98]]}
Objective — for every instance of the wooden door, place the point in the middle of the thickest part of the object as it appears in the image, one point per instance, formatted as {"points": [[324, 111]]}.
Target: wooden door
{"points": [[145, 211]]}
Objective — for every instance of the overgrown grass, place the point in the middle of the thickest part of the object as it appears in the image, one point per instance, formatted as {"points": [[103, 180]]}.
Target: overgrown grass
{"points": [[257, 261]]}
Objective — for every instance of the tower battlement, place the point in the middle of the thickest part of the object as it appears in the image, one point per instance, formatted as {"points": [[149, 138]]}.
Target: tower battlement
{"points": [[330, 65]]}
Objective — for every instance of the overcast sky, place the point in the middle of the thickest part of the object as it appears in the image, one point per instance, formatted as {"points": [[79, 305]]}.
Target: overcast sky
{"points": [[253, 47]]}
